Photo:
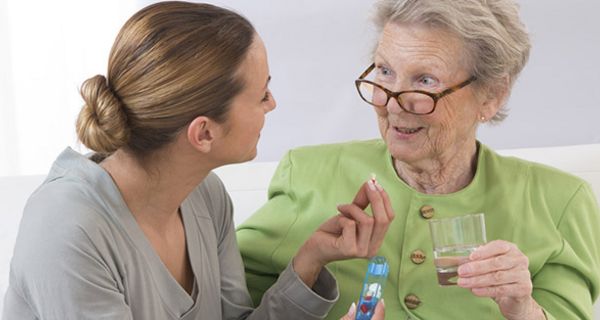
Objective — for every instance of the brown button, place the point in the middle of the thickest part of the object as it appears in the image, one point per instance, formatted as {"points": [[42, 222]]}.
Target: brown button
{"points": [[412, 301], [417, 256], [427, 211]]}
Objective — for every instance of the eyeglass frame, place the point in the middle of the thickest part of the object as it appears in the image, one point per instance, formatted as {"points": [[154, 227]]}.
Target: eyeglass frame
{"points": [[390, 94]]}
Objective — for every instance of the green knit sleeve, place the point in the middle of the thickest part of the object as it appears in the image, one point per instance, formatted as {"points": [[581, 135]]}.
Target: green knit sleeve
{"points": [[261, 234], [568, 284]]}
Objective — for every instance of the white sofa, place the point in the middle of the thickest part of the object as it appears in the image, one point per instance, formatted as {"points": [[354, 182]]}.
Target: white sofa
{"points": [[247, 185]]}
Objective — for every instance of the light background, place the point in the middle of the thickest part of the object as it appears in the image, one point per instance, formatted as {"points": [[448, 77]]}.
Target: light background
{"points": [[316, 49]]}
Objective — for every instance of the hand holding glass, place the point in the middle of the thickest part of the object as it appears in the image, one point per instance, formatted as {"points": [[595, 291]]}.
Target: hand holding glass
{"points": [[454, 239]]}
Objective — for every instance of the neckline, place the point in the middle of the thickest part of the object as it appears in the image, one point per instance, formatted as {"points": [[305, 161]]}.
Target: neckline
{"points": [[173, 295], [171, 292], [473, 185]]}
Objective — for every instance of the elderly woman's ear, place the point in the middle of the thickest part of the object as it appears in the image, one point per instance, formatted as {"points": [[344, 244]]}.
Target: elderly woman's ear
{"points": [[494, 98]]}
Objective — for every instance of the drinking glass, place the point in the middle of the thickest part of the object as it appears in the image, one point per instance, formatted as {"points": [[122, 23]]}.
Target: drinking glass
{"points": [[454, 239]]}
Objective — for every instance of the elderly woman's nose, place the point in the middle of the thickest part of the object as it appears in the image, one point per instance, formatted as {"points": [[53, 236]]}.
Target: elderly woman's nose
{"points": [[393, 106]]}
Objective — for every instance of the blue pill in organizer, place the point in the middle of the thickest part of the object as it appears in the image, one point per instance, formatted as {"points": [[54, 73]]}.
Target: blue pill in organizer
{"points": [[375, 279]]}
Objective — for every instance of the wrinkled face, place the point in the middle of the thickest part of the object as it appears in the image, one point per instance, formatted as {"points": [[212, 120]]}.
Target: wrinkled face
{"points": [[247, 113], [412, 57]]}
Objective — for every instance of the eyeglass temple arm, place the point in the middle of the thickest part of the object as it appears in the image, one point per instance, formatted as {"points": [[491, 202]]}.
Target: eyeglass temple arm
{"points": [[369, 69], [456, 87]]}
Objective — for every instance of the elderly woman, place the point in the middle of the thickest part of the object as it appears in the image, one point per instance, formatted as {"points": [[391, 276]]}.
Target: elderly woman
{"points": [[440, 69]]}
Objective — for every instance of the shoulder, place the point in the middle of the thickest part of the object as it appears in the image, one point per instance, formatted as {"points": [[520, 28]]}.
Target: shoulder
{"points": [[325, 151], [68, 202], [59, 206], [537, 174], [538, 185], [77, 194], [320, 160], [58, 230]]}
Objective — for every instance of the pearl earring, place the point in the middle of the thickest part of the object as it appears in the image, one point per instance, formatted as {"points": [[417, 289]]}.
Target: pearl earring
{"points": [[482, 118]]}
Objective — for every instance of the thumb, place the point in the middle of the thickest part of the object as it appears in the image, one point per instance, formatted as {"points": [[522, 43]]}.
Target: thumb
{"points": [[361, 199], [379, 311], [351, 313]]}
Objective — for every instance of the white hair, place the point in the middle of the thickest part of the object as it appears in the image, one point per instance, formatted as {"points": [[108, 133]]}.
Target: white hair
{"points": [[495, 39]]}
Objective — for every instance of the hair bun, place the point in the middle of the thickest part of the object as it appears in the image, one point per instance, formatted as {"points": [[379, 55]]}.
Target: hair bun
{"points": [[102, 122]]}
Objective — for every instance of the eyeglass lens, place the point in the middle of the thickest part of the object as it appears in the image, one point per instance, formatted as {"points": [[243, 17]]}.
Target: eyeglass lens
{"points": [[410, 101]]}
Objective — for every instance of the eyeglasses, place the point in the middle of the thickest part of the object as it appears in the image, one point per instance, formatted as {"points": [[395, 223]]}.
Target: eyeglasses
{"points": [[412, 101]]}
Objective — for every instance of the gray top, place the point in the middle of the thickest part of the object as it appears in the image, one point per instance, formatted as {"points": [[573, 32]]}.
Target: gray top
{"points": [[81, 255]]}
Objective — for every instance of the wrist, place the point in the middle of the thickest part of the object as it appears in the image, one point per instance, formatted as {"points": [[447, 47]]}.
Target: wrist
{"points": [[533, 311], [537, 312], [306, 266]]}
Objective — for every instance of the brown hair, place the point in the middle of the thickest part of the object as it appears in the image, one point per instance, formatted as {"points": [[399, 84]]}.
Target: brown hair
{"points": [[170, 63]]}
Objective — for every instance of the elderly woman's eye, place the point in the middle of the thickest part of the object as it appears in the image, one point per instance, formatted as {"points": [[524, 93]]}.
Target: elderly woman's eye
{"points": [[428, 81], [383, 71]]}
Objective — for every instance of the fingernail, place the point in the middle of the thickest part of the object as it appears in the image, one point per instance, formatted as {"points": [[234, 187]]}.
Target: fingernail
{"points": [[382, 302], [379, 187], [371, 185], [352, 309]]}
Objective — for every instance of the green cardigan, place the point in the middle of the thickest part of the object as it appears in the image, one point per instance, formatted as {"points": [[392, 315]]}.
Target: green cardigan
{"points": [[550, 215]]}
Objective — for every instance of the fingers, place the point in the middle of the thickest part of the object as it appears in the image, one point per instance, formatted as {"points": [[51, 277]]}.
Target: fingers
{"points": [[494, 256], [491, 249], [498, 269], [360, 199], [354, 233], [379, 313], [341, 227], [372, 229], [332, 225], [379, 208], [497, 278], [388, 205], [335, 239], [364, 227], [347, 242]]}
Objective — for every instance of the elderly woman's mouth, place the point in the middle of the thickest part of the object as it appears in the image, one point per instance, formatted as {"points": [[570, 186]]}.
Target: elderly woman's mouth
{"points": [[405, 130]]}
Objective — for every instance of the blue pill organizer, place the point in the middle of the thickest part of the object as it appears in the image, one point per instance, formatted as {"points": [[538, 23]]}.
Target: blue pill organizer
{"points": [[375, 279]]}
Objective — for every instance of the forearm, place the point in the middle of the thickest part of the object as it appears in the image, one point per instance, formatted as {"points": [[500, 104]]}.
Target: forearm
{"points": [[290, 298]]}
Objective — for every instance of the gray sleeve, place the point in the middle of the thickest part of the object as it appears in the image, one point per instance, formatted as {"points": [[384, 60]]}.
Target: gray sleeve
{"points": [[56, 270], [288, 298]]}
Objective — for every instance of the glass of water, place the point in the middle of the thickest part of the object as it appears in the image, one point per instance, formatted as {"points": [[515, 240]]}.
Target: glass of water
{"points": [[454, 239]]}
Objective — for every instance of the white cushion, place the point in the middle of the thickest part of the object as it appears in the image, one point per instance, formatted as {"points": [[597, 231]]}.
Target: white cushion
{"points": [[247, 184]]}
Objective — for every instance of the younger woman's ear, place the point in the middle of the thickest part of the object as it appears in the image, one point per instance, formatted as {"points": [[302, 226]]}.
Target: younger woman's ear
{"points": [[201, 133]]}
